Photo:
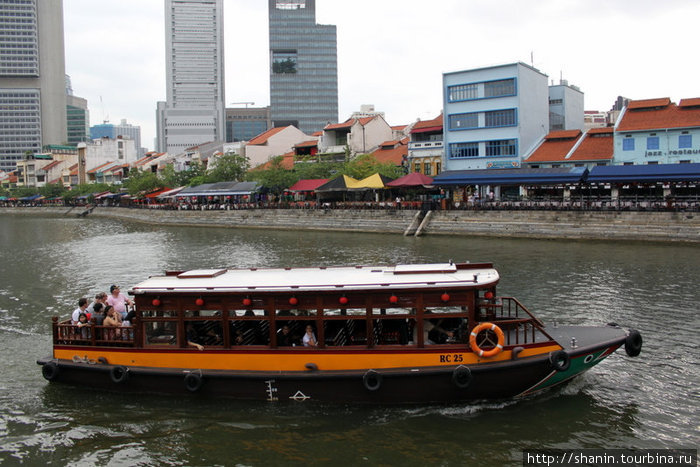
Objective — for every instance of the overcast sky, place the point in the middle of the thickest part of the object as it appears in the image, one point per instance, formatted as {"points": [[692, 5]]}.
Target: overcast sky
{"points": [[392, 53]]}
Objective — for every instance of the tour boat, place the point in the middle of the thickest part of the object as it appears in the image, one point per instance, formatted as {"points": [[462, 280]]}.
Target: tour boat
{"points": [[410, 333]]}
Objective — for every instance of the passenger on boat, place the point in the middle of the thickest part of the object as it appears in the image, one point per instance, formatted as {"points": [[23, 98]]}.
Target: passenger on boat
{"points": [[118, 300], [309, 338], [284, 337], [97, 315], [192, 337], [433, 333], [111, 320], [101, 298], [84, 325], [82, 306]]}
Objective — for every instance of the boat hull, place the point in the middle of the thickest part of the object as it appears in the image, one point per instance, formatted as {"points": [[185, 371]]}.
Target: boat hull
{"points": [[442, 384]]}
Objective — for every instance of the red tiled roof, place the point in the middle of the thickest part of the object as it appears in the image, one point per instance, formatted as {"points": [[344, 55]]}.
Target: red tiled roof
{"points": [[349, 123], [428, 125], [649, 103], [307, 144], [606, 129], [554, 149], [99, 167], [389, 144], [597, 145], [287, 162], [563, 134], [52, 165], [263, 137], [399, 127], [694, 102], [394, 155], [317, 133], [658, 118]]}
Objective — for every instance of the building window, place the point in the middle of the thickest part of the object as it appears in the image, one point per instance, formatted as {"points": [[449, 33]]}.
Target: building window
{"points": [[653, 163], [438, 168], [503, 147], [284, 61], [499, 118], [462, 92], [427, 169], [416, 167], [462, 150], [685, 141], [464, 121], [628, 144], [652, 142], [503, 87]]}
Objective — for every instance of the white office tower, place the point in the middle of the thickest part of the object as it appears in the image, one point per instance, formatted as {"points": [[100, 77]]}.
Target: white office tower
{"points": [[32, 78], [194, 112]]}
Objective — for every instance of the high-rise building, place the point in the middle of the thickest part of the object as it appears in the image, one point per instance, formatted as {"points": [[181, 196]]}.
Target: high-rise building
{"points": [[243, 124], [194, 111], [32, 78], [77, 117], [124, 129], [303, 67]]}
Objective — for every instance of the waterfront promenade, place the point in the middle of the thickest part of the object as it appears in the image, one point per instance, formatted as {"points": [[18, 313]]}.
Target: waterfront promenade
{"points": [[675, 226]]}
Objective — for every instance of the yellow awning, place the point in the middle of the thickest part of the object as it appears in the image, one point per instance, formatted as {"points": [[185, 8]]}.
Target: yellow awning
{"points": [[372, 182]]}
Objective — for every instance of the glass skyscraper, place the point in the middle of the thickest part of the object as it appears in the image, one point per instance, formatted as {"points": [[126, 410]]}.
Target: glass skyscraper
{"points": [[303, 67]]}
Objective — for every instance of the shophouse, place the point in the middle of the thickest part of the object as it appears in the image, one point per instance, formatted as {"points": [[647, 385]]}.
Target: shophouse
{"points": [[426, 150], [658, 131], [493, 115]]}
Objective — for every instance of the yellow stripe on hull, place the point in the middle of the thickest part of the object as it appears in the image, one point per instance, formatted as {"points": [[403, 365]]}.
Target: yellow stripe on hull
{"points": [[296, 360]]}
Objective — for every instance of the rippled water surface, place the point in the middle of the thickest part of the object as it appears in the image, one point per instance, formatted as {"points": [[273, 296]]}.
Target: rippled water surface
{"points": [[47, 263]]}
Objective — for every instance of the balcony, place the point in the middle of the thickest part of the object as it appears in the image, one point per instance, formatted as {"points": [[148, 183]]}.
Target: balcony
{"points": [[424, 145]]}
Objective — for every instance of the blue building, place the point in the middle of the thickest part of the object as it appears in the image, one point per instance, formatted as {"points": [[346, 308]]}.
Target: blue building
{"points": [[124, 129], [493, 115], [657, 131]]}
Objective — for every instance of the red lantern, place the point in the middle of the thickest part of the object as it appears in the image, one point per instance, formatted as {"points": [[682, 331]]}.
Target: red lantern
{"points": [[343, 300], [445, 297], [394, 299], [247, 302], [199, 302], [293, 301], [488, 295], [155, 302]]}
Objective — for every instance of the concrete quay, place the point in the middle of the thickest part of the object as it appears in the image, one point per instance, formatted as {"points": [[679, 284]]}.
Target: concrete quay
{"points": [[592, 225]]}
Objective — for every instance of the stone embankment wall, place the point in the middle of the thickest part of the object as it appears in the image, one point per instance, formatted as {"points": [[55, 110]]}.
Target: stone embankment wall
{"points": [[612, 225]]}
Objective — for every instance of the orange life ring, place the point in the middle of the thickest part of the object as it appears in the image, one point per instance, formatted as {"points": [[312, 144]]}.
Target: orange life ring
{"points": [[486, 327]]}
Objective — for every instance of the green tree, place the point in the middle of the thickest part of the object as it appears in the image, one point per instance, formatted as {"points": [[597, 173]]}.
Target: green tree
{"points": [[276, 178], [228, 168], [142, 181], [51, 190], [365, 165]]}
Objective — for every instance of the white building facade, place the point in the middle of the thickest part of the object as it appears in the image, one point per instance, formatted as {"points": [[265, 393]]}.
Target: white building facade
{"points": [[194, 111], [493, 115], [565, 107]]}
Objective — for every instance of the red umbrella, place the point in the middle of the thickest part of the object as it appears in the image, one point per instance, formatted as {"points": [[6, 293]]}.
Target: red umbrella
{"points": [[412, 179]]}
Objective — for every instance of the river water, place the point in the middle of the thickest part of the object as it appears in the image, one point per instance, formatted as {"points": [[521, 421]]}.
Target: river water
{"points": [[652, 401]]}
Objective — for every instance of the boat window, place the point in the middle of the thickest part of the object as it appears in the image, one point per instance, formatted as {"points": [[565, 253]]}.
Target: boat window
{"points": [[345, 312], [209, 332], [203, 313], [158, 313], [160, 333], [345, 332], [392, 331], [294, 312], [405, 311], [249, 313]]}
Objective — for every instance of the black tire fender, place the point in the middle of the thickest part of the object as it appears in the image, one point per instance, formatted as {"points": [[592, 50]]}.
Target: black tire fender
{"points": [[193, 381], [633, 343], [372, 380], [50, 371], [560, 360], [462, 376], [119, 374]]}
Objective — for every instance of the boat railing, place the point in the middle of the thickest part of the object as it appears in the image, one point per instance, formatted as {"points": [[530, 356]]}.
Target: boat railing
{"points": [[513, 317], [66, 333]]}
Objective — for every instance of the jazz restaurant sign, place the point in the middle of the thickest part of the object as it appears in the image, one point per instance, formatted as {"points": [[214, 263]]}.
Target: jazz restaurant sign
{"points": [[675, 152]]}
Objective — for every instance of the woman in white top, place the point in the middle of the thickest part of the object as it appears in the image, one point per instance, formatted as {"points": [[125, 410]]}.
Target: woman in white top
{"points": [[309, 339]]}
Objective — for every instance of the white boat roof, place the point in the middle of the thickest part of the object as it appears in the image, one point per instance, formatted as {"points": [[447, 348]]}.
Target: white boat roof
{"points": [[404, 276]]}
